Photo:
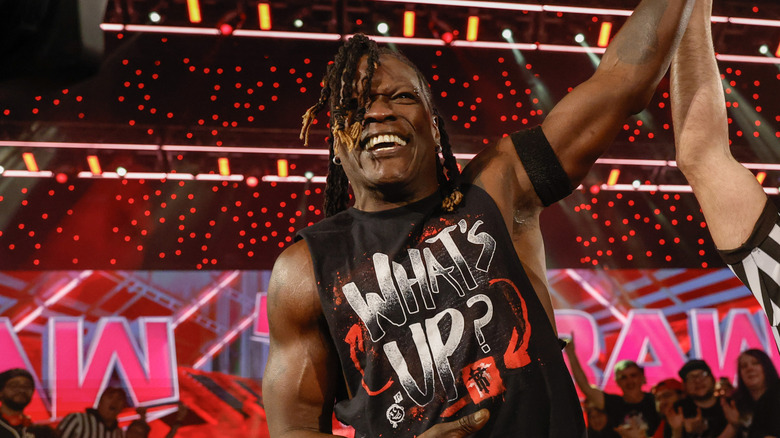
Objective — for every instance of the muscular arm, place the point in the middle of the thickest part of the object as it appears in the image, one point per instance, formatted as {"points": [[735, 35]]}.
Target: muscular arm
{"points": [[701, 133], [301, 375], [582, 125], [585, 122]]}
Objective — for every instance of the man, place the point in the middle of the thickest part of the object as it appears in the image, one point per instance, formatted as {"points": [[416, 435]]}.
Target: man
{"points": [[667, 393], [740, 217], [598, 423], [96, 423], [701, 409], [423, 310], [634, 404], [16, 391]]}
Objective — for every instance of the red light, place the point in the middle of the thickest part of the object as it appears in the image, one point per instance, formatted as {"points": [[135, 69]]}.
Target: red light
{"points": [[62, 179], [225, 29], [252, 181], [447, 37]]}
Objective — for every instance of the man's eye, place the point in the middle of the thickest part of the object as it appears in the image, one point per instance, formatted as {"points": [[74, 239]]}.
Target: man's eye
{"points": [[405, 96]]}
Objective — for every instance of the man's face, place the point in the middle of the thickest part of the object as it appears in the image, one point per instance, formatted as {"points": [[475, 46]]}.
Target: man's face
{"points": [[665, 399], [699, 385], [397, 151], [597, 419], [751, 371], [110, 405], [630, 380], [17, 393]]}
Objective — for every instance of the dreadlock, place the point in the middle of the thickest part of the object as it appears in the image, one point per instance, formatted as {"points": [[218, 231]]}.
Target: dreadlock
{"points": [[347, 113]]}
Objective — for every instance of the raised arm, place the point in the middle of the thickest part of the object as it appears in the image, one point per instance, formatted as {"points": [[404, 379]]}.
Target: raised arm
{"points": [[585, 122], [592, 394], [299, 383], [701, 133]]}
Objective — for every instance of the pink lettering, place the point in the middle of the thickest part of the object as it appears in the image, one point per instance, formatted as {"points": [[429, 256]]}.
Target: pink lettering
{"points": [[147, 367]]}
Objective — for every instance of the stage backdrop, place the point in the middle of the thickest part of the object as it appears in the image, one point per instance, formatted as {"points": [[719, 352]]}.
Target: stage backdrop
{"points": [[201, 337]]}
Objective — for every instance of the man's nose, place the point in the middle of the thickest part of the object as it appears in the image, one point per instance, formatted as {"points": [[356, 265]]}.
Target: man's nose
{"points": [[379, 110]]}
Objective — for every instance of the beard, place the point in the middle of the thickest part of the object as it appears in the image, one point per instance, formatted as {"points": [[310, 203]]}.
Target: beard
{"points": [[15, 404], [703, 398]]}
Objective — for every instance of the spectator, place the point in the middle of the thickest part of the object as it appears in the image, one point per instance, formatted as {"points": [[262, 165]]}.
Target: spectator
{"points": [[597, 423], [702, 411], [621, 409], [96, 423], [667, 393], [757, 395], [16, 391]]}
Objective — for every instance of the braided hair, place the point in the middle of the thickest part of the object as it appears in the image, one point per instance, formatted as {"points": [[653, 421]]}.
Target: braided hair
{"points": [[348, 112]]}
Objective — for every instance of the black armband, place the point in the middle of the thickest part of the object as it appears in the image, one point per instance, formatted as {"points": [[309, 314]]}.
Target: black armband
{"points": [[550, 181]]}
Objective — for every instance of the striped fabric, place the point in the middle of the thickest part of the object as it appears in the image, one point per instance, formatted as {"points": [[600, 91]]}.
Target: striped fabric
{"points": [[87, 425], [757, 265]]}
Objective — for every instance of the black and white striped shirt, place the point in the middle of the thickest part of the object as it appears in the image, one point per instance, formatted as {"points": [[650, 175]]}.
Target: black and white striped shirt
{"points": [[87, 425], [757, 265]]}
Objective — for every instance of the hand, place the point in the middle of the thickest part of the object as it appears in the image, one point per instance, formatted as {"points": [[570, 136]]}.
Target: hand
{"points": [[695, 424], [631, 429], [675, 418], [569, 348], [730, 411], [460, 428]]}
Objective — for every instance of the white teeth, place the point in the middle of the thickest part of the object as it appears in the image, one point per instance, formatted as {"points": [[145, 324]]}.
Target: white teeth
{"points": [[385, 138]]}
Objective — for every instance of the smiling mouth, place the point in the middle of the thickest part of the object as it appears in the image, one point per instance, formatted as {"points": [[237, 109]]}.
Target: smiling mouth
{"points": [[384, 141]]}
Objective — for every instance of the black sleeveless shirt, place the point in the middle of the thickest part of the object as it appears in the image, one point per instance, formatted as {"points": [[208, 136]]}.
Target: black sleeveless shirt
{"points": [[434, 318]]}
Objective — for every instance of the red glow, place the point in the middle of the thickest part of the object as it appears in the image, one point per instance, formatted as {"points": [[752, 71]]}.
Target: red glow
{"points": [[225, 29], [447, 37], [252, 181]]}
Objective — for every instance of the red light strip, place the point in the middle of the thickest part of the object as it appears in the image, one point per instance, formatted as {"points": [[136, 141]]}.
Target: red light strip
{"points": [[586, 11], [495, 45], [748, 59], [754, 22], [287, 35], [397, 40], [570, 49]]}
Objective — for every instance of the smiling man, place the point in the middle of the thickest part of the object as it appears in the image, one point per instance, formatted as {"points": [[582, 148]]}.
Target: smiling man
{"points": [[422, 309]]}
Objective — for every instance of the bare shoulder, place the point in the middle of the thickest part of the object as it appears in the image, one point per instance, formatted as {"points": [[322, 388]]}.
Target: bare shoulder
{"points": [[292, 291]]}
